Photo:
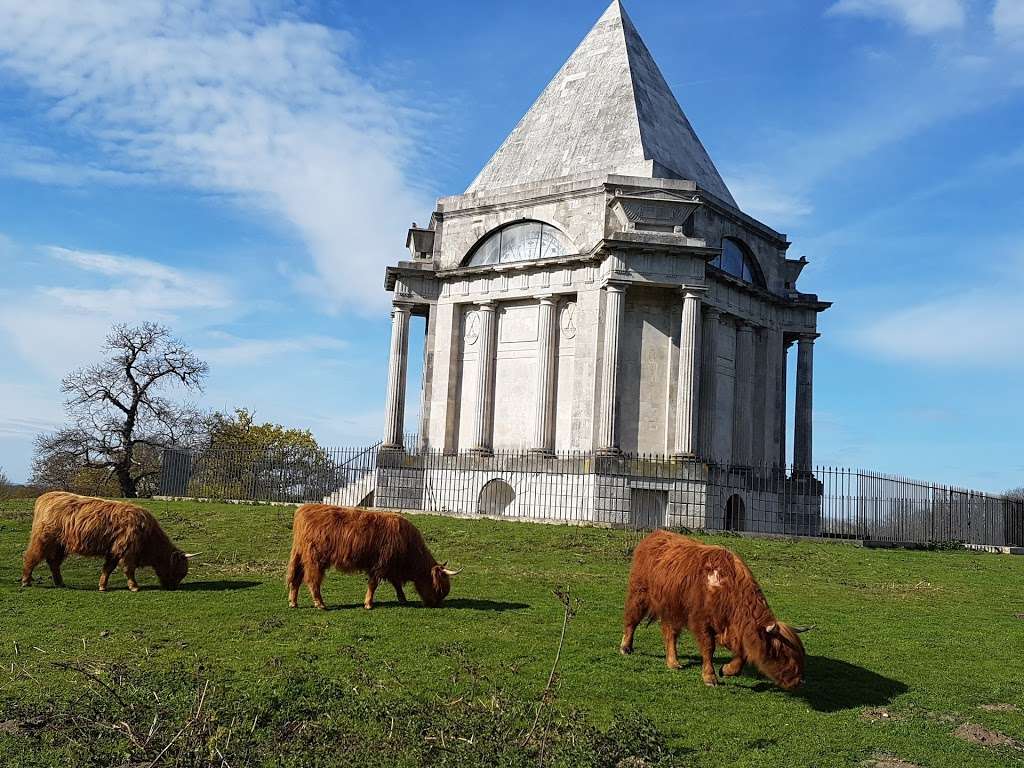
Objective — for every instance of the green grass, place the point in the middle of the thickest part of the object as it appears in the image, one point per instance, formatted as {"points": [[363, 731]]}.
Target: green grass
{"points": [[930, 638]]}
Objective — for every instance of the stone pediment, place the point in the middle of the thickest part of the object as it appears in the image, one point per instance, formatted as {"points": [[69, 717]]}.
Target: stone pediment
{"points": [[655, 210]]}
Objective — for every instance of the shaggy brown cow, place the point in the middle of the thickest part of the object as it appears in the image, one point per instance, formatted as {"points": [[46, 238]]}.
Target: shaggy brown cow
{"points": [[384, 546], [712, 592], [65, 523]]}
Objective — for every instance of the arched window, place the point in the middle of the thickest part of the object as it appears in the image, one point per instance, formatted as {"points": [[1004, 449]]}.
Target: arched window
{"points": [[736, 260], [523, 241]]}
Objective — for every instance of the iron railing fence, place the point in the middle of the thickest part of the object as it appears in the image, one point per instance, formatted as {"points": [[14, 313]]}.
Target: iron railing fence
{"points": [[293, 475], [639, 492]]}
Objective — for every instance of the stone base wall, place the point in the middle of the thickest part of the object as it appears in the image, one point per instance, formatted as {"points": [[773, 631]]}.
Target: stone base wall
{"points": [[612, 493]]}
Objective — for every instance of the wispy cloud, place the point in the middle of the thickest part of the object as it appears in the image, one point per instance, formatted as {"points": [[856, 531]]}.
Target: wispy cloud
{"points": [[58, 324], [919, 16], [44, 165], [977, 325], [240, 97], [766, 199], [1008, 21], [149, 288], [234, 351]]}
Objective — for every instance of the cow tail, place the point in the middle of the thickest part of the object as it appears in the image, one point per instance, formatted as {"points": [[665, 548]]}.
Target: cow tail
{"points": [[295, 569]]}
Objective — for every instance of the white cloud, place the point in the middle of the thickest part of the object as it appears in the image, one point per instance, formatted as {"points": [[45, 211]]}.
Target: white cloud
{"points": [[980, 326], [56, 328], [919, 16], [232, 351], [768, 200], [23, 160], [1008, 21], [236, 97]]}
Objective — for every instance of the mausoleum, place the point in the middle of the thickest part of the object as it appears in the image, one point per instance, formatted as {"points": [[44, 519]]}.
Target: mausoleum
{"points": [[598, 290]]}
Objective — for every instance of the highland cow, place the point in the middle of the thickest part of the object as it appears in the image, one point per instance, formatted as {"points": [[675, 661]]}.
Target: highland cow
{"points": [[67, 524], [710, 591], [384, 546]]}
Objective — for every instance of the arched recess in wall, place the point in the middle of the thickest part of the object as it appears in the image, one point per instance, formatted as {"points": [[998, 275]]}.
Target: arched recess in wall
{"points": [[738, 260], [735, 514], [526, 240], [495, 498]]}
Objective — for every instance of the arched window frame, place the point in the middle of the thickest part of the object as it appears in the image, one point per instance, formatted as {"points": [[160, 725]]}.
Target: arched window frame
{"points": [[747, 269], [490, 249]]}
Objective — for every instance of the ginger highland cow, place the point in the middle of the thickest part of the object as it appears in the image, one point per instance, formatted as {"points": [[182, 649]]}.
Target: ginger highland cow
{"points": [[67, 524], [710, 591], [384, 546]]}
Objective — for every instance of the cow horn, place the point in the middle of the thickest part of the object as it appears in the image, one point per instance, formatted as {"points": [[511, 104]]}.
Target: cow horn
{"points": [[801, 630], [450, 572], [194, 554], [772, 628]]}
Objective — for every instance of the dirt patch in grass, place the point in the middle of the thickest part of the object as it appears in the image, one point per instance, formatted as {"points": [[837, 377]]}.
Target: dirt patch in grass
{"points": [[19, 727], [896, 589], [888, 761], [877, 715], [998, 707], [977, 734]]}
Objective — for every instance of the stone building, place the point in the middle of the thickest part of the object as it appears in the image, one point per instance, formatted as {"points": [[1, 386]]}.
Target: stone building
{"points": [[597, 289]]}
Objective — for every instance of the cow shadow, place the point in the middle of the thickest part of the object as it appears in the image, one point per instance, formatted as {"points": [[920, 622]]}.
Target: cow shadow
{"points": [[216, 586], [458, 603], [831, 685]]}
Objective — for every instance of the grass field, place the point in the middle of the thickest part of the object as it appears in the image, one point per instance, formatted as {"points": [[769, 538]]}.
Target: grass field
{"points": [[912, 651]]}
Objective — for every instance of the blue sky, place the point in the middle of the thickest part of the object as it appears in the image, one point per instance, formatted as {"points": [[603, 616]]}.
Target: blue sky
{"points": [[243, 172]]}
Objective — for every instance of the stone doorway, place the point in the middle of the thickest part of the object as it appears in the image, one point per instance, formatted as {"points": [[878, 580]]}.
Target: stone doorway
{"points": [[735, 514], [495, 498]]}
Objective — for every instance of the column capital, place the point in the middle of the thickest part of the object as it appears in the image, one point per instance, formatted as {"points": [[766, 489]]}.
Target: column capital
{"points": [[488, 305], [712, 313], [548, 298], [616, 287], [808, 338], [404, 307], [744, 326], [694, 291]]}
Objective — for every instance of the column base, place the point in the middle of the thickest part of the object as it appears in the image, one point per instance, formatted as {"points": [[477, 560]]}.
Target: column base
{"points": [[609, 453], [390, 448], [541, 453], [481, 453]]}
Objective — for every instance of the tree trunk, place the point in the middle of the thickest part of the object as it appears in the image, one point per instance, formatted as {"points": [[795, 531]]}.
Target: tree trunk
{"points": [[129, 488]]}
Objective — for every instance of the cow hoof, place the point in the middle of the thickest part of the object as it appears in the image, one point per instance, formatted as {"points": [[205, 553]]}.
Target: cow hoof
{"points": [[25, 584], [293, 605], [711, 683], [133, 589], [625, 650], [103, 589], [367, 607], [321, 607]]}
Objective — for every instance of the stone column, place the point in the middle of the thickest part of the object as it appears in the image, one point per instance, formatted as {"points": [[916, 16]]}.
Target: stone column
{"points": [[781, 416], [688, 390], [804, 427], [708, 382], [608, 430], [394, 409], [483, 424], [761, 393], [743, 416], [547, 362]]}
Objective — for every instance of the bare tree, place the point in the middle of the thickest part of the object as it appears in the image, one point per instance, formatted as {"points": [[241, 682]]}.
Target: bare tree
{"points": [[120, 415], [1017, 494], [5, 484]]}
